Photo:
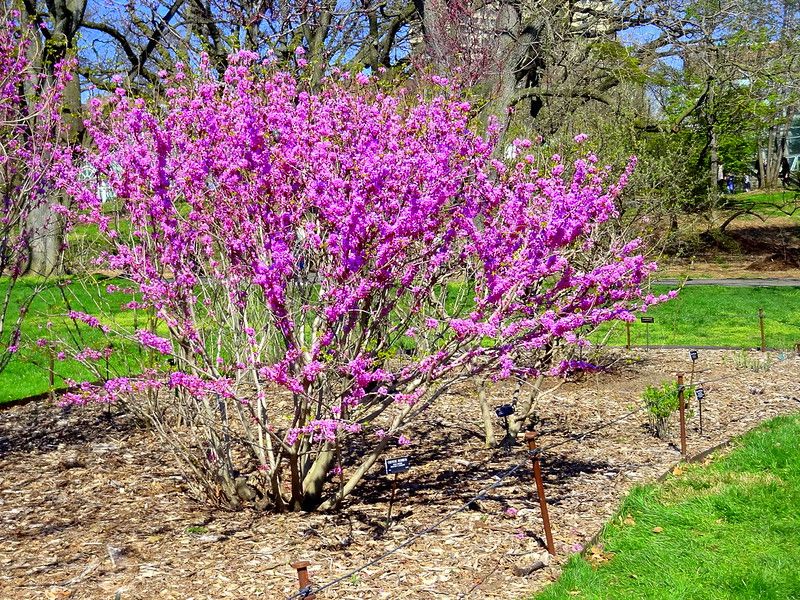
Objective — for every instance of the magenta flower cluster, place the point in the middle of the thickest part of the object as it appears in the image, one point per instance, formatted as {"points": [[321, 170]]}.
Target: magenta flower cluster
{"points": [[151, 340], [259, 185], [30, 130]]}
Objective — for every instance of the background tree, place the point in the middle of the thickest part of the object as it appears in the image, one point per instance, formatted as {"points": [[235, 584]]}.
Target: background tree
{"points": [[56, 26], [727, 78], [30, 129]]}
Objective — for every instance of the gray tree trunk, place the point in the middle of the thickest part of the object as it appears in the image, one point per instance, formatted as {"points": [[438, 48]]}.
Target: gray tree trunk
{"points": [[46, 228], [490, 441], [46, 240]]}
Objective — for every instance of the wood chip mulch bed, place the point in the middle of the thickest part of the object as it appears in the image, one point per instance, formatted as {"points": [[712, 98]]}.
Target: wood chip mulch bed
{"points": [[91, 508]]}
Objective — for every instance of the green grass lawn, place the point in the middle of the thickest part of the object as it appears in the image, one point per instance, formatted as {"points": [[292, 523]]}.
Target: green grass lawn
{"points": [[728, 530], [767, 201], [719, 316], [28, 372], [701, 315]]}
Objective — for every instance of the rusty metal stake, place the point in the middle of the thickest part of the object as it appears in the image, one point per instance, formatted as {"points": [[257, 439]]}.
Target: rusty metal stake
{"points": [[682, 412], [761, 326], [628, 335], [530, 437], [302, 578]]}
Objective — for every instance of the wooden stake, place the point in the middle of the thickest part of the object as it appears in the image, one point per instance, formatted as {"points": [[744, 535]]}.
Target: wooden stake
{"points": [[530, 437], [628, 335]]}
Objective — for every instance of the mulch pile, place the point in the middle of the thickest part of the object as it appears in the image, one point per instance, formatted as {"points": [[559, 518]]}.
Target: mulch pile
{"points": [[91, 508]]}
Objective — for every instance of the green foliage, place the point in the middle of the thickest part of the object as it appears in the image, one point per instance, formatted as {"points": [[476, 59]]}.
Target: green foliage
{"points": [[726, 531], [662, 402], [619, 60]]}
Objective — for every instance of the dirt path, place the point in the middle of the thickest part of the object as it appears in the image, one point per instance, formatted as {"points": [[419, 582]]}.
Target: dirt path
{"points": [[90, 507]]}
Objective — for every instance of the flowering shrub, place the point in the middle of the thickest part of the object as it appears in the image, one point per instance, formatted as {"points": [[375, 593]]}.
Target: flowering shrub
{"points": [[320, 267], [30, 128]]}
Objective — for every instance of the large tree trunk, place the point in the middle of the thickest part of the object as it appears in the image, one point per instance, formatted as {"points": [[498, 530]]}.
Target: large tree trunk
{"points": [[46, 228], [46, 240], [713, 172], [777, 139], [713, 151], [485, 45]]}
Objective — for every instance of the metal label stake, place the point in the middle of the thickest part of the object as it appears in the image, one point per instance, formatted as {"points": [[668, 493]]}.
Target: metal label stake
{"points": [[682, 413], [303, 580], [700, 393], [395, 466], [391, 500], [647, 321], [503, 412]]}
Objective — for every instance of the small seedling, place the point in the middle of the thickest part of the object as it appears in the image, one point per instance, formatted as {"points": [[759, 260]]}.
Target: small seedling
{"points": [[661, 403], [196, 529], [743, 360]]}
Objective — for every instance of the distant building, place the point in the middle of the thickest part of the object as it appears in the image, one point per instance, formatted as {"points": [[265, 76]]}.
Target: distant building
{"points": [[793, 144]]}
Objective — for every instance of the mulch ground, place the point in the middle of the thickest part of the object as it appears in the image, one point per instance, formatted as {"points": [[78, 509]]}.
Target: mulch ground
{"points": [[90, 507]]}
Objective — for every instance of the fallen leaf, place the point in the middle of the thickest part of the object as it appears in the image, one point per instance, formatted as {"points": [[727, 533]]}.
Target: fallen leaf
{"points": [[677, 471], [598, 556], [629, 521], [658, 529]]}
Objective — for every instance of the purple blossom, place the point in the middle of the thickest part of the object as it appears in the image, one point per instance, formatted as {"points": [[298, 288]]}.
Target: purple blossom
{"points": [[90, 320], [151, 340], [89, 354]]}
